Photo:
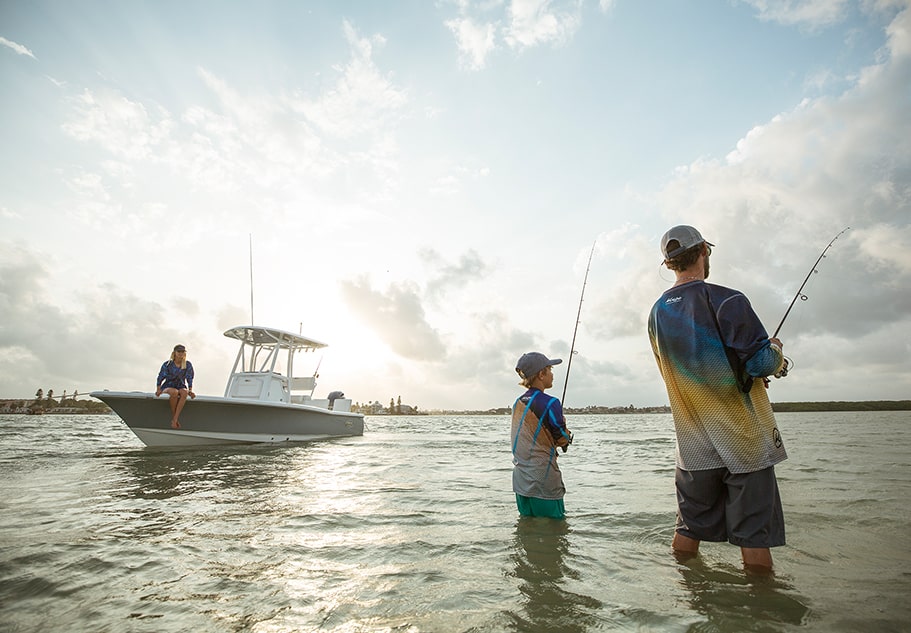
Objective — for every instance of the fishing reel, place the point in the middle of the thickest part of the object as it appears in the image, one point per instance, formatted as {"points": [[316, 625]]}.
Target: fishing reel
{"points": [[786, 366]]}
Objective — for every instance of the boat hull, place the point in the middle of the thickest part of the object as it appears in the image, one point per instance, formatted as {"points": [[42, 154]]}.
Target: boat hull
{"points": [[209, 420]]}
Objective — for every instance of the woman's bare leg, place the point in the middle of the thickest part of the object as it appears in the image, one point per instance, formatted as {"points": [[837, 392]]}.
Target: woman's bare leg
{"points": [[181, 400], [176, 402]]}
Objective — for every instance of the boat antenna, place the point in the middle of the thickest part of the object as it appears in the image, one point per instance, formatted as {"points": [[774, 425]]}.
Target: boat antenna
{"points": [[813, 269], [572, 347], [251, 279]]}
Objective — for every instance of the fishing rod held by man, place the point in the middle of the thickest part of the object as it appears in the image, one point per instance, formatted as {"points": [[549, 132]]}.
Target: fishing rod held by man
{"points": [[799, 294]]}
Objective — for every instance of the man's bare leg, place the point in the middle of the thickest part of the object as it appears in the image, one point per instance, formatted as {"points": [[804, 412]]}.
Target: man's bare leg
{"points": [[684, 546], [757, 559]]}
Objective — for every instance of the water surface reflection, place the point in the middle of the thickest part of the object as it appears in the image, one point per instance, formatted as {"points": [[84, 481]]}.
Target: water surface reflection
{"points": [[732, 600], [541, 556]]}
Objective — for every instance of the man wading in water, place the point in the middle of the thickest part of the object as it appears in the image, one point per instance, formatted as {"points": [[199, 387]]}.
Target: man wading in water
{"points": [[709, 345], [538, 429]]}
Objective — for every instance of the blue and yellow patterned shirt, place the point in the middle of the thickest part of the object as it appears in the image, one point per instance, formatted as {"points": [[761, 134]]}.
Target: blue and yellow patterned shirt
{"points": [[717, 424]]}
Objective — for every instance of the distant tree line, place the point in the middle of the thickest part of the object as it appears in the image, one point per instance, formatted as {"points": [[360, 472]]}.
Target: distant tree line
{"points": [[870, 405], [781, 407], [601, 410], [589, 410]]}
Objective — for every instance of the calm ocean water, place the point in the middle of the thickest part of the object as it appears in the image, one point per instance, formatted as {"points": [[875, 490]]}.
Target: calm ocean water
{"points": [[413, 528]]}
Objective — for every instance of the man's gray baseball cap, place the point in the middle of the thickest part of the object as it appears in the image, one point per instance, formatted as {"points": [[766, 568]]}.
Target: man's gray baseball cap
{"points": [[686, 236]]}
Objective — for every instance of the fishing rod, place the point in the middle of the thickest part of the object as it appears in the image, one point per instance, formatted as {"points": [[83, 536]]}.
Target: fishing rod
{"points": [[576, 329], [800, 294], [787, 365]]}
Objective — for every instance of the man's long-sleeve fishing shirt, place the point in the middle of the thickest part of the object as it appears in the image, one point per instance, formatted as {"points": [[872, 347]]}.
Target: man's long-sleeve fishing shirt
{"points": [[717, 424]]}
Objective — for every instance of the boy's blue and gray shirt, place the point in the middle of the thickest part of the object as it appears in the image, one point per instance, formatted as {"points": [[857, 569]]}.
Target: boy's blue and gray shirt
{"points": [[538, 429]]}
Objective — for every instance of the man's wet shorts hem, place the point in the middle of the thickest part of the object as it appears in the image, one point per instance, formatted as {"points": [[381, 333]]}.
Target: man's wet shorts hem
{"points": [[534, 507], [744, 509]]}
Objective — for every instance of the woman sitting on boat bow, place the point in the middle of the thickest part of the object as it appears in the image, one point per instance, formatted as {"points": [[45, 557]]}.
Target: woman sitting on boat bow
{"points": [[176, 380]]}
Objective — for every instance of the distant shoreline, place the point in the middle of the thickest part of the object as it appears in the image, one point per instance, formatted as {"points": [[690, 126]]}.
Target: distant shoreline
{"points": [[778, 407], [867, 405]]}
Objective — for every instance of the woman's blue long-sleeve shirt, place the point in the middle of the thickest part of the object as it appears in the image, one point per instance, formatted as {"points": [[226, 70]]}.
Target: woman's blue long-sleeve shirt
{"points": [[171, 375]]}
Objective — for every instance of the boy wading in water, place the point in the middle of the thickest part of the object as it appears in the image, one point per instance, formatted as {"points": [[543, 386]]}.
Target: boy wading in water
{"points": [[538, 429]]}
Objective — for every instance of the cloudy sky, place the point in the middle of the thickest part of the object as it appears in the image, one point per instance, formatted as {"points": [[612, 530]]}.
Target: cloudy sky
{"points": [[423, 182]]}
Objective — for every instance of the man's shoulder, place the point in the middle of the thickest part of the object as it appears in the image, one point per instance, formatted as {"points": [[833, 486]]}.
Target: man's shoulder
{"points": [[729, 303], [723, 292], [722, 289]]}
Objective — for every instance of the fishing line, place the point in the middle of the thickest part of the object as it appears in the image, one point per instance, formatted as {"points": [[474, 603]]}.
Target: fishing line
{"points": [[661, 269]]}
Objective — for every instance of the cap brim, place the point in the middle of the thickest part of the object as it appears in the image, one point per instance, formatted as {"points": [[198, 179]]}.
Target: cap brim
{"points": [[680, 251]]}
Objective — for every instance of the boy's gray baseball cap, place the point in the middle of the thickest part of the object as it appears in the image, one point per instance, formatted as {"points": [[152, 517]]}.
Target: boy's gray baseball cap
{"points": [[686, 236], [531, 363]]}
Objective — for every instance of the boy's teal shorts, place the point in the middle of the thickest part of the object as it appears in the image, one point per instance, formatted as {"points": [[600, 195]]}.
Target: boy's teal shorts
{"points": [[534, 507]]}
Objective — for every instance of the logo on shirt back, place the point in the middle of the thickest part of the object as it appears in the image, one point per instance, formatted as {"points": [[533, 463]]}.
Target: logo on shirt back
{"points": [[673, 299]]}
